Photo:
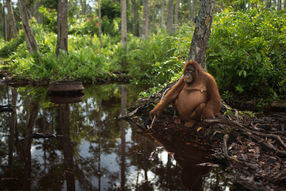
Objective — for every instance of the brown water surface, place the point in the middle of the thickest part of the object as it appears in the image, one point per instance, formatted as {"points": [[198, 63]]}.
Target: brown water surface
{"points": [[78, 143]]}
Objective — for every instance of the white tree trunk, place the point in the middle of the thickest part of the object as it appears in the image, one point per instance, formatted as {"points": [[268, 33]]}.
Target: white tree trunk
{"points": [[62, 41], [99, 24], [163, 6], [177, 15], [145, 19], [123, 24], [134, 17], [170, 16]]}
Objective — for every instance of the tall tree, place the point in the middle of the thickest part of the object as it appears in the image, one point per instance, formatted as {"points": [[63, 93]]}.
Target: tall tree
{"points": [[176, 15], [99, 23], [145, 19], [170, 16], [134, 16], [62, 41], [123, 24], [163, 6], [202, 32], [12, 29], [31, 42], [193, 11]]}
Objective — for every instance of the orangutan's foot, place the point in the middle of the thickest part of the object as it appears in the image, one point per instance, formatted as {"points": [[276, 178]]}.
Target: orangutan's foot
{"points": [[177, 120], [189, 123]]}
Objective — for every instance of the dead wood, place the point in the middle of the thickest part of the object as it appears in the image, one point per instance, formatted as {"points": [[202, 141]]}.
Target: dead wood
{"points": [[254, 149]]}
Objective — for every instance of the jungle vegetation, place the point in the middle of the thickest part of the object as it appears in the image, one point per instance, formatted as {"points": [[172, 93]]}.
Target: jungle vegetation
{"points": [[246, 50]]}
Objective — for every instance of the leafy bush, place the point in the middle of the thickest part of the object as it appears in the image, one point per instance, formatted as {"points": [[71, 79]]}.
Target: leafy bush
{"points": [[12, 46], [160, 59], [85, 60], [247, 52]]}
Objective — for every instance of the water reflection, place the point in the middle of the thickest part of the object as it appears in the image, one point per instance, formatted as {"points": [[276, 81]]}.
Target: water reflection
{"points": [[91, 149]]}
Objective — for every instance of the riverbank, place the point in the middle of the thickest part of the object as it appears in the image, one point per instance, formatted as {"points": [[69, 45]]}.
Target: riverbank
{"points": [[250, 149]]}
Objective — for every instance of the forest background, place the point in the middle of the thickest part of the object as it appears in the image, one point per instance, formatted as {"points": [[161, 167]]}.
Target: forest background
{"points": [[246, 50]]}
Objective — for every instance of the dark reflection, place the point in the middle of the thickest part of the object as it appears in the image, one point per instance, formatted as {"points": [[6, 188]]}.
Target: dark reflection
{"points": [[189, 158], [31, 119], [123, 138], [91, 148], [13, 126], [192, 173], [64, 122], [73, 97]]}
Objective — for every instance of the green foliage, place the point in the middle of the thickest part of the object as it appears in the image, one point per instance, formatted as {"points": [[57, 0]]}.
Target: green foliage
{"points": [[90, 26], [110, 9], [85, 60], [160, 59], [49, 17], [11, 47], [247, 52], [152, 60]]}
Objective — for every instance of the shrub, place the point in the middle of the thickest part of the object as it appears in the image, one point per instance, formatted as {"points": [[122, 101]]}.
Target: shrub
{"points": [[160, 59], [11, 47], [247, 52]]}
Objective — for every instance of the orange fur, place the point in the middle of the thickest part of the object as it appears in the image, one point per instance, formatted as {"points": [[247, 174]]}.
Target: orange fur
{"points": [[195, 101]]}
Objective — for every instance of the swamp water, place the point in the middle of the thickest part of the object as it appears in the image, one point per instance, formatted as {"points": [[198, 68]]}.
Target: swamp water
{"points": [[50, 143]]}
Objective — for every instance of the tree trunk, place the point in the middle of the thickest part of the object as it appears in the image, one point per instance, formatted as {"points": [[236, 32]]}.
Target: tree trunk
{"points": [[284, 4], [145, 19], [123, 24], [177, 15], [62, 41], [12, 29], [202, 32], [29, 37], [193, 12], [163, 4], [279, 5], [170, 16], [4, 21], [99, 24], [134, 17]]}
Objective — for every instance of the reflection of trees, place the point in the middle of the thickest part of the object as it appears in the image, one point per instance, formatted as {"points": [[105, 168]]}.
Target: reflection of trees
{"points": [[13, 126], [64, 113], [92, 123], [139, 153], [103, 133], [27, 143], [122, 137]]}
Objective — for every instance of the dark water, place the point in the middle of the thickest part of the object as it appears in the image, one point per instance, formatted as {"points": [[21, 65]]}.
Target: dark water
{"points": [[84, 146]]}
